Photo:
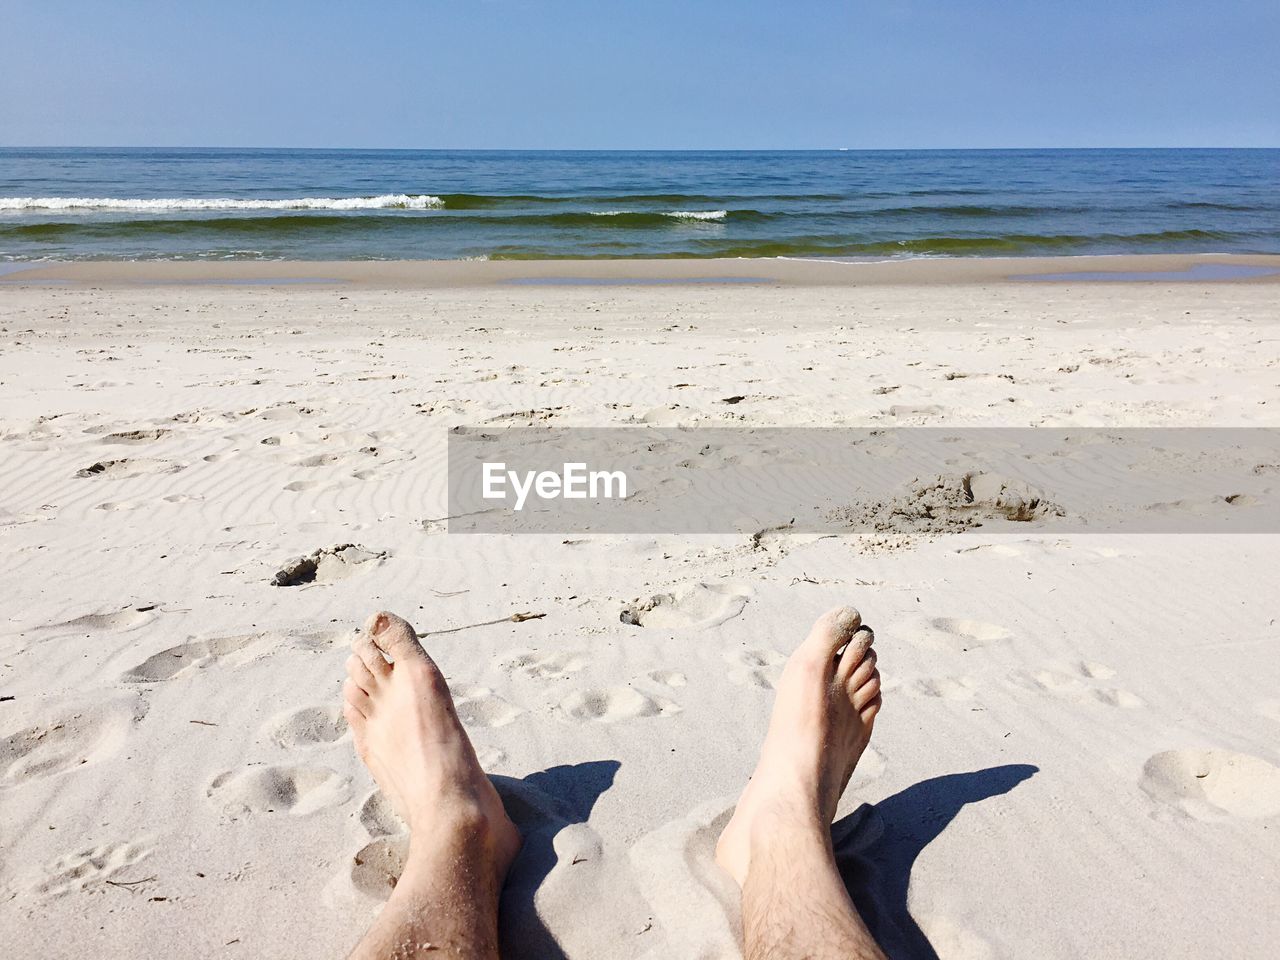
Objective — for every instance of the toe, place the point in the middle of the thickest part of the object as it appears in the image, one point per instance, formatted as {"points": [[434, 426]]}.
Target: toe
{"points": [[868, 713], [868, 692], [832, 631], [370, 657], [355, 698], [857, 653], [393, 636], [356, 721], [360, 674], [856, 670]]}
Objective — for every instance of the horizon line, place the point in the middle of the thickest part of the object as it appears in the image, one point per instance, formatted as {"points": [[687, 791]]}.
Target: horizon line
{"points": [[108, 146]]}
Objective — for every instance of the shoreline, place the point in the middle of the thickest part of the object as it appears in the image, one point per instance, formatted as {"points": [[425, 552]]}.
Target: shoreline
{"points": [[1134, 268]]}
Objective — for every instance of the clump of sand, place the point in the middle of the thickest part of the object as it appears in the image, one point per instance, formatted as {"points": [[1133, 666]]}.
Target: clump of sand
{"points": [[950, 504], [323, 565]]}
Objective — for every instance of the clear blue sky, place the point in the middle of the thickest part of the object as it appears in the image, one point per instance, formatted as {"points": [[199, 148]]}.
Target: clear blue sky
{"points": [[641, 73]]}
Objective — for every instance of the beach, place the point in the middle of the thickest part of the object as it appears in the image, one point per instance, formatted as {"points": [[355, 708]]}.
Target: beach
{"points": [[1077, 751]]}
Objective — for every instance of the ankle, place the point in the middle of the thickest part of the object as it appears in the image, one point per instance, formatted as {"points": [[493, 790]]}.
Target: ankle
{"points": [[786, 819], [462, 826], [465, 834]]}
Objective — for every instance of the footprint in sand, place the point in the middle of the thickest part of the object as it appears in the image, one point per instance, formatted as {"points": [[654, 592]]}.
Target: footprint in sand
{"points": [[668, 678], [543, 666], [1116, 697], [295, 789], [123, 469], [135, 436], [119, 506], [1094, 670], [91, 868], [943, 688], [74, 738], [614, 704], [186, 658], [285, 411], [284, 440], [755, 667], [967, 634], [308, 727], [110, 621], [376, 868], [1213, 784], [695, 607], [379, 818], [480, 707], [318, 460], [1077, 686]]}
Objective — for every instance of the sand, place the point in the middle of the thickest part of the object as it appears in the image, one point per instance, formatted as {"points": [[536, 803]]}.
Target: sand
{"points": [[1078, 750]]}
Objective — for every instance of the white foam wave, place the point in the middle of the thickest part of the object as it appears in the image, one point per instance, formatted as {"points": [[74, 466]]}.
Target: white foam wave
{"points": [[673, 214], [390, 201], [699, 214]]}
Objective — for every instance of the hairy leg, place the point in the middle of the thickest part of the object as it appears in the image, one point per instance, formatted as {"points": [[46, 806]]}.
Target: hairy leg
{"points": [[778, 843]]}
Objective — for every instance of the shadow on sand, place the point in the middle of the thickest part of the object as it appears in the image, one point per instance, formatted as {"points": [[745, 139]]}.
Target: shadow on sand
{"points": [[542, 804], [876, 848]]}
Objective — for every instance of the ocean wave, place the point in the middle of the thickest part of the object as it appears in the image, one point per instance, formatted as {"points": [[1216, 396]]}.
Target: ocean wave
{"points": [[1211, 205], [698, 214], [484, 201], [673, 214], [389, 201], [298, 223]]}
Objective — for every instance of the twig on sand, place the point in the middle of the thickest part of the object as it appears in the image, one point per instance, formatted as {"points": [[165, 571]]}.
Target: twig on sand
{"points": [[203, 723], [522, 617], [128, 884], [514, 618]]}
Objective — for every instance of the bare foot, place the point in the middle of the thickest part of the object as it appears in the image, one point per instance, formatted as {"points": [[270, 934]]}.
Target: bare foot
{"points": [[408, 734], [827, 702]]}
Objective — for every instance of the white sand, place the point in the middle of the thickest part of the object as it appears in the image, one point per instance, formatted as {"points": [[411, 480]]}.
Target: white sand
{"points": [[1078, 750]]}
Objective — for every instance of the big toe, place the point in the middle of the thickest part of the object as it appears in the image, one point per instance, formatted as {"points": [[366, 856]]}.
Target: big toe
{"points": [[831, 631], [393, 636]]}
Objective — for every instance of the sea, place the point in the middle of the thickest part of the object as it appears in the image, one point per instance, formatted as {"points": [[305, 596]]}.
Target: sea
{"points": [[285, 204]]}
